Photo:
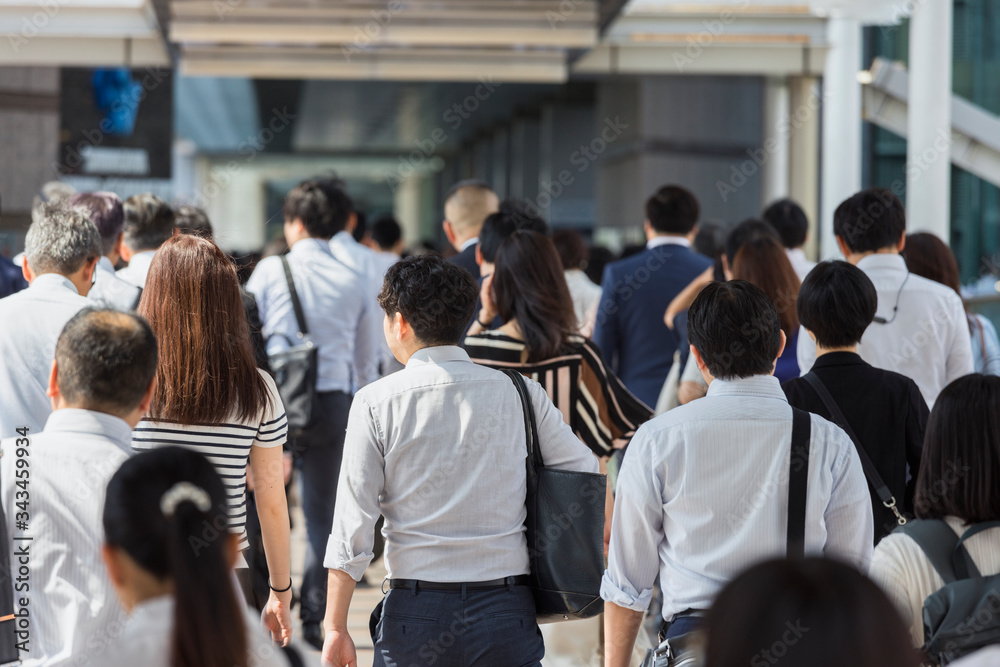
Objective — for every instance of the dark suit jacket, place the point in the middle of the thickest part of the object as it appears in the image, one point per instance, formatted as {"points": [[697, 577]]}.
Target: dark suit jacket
{"points": [[467, 260], [630, 330], [11, 278], [886, 411]]}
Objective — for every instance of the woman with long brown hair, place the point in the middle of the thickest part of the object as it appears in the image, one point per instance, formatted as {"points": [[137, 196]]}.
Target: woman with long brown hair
{"points": [[211, 397]]}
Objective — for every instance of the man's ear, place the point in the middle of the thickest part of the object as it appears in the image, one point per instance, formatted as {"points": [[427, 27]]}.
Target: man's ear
{"points": [[147, 398], [479, 255], [352, 223], [449, 231], [902, 243], [112, 561], [53, 391], [26, 270], [781, 350], [698, 360], [119, 244], [842, 245], [401, 326]]}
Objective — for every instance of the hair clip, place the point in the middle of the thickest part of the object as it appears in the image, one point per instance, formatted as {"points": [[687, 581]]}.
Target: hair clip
{"points": [[184, 492]]}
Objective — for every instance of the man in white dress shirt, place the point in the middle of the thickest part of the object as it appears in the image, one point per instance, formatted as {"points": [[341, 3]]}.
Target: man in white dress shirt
{"points": [[107, 214], [61, 252], [920, 329], [704, 489], [53, 483], [438, 449], [792, 225], [345, 325], [149, 222]]}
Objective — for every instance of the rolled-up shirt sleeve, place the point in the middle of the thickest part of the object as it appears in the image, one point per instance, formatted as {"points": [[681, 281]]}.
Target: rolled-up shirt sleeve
{"points": [[362, 479], [636, 531]]}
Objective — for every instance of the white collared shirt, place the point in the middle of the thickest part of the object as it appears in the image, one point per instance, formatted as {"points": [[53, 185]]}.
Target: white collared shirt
{"points": [[439, 449], [927, 339], [468, 243], [668, 239], [341, 315], [586, 298], [73, 610], [111, 291], [703, 494], [138, 268], [800, 262], [31, 321]]}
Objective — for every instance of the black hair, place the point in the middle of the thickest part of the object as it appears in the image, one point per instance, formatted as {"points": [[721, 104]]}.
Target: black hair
{"points": [[512, 216], [789, 220], [193, 220], [437, 298], [736, 329], [672, 210], [188, 546], [960, 465], [796, 613], [571, 247], [106, 212], [149, 222], [360, 226], [308, 202], [870, 220], [106, 360], [750, 229], [386, 232], [836, 303], [710, 239], [340, 204]]}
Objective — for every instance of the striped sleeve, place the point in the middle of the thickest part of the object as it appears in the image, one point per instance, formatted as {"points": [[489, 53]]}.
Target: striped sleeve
{"points": [[607, 411], [273, 430]]}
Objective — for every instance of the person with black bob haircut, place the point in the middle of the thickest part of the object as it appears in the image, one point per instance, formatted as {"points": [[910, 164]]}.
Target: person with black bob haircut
{"points": [[798, 613], [99, 386], [174, 578], [149, 222], [957, 484], [435, 450], [792, 225], [920, 329], [836, 305], [704, 488], [513, 215]]}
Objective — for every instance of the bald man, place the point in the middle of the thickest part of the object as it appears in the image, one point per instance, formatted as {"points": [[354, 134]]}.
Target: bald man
{"points": [[466, 206]]}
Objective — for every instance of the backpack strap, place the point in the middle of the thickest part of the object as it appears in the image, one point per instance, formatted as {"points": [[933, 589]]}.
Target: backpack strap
{"points": [[965, 568], [798, 474], [938, 542]]}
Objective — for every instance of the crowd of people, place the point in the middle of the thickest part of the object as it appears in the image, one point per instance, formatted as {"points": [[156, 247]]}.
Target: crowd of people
{"points": [[801, 458]]}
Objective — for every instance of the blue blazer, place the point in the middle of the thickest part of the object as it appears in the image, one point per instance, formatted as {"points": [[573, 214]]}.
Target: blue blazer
{"points": [[630, 331], [11, 279], [467, 260]]}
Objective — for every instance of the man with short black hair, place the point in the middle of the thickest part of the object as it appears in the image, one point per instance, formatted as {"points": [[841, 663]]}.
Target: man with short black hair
{"points": [[149, 222], [792, 225], [100, 385], [466, 206], [704, 489], [189, 219], [344, 324], [630, 330], [920, 329], [835, 306], [438, 449], [106, 212], [61, 252]]}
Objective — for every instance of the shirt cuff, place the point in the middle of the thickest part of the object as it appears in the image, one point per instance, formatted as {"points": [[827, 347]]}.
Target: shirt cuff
{"points": [[340, 557], [625, 596]]}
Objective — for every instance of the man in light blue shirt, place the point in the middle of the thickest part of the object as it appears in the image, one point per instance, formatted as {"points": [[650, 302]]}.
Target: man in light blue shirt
{"points": [[345, 325], [703, 491], [108, 215], [61, 252], [149, 222]]}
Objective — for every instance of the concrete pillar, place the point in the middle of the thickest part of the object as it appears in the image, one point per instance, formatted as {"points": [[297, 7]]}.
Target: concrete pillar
{"points": [[803, 151], [928, 147], [407, 208], [774, 184], [841, 126]]}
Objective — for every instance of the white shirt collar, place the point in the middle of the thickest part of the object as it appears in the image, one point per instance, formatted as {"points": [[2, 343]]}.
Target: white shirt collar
{"points": [[53, 281], [311, 245], [657, 241], [883, 261], [765, 386], [73, 420], [468, 243], [344, 236], [438, 354], [105, 265]]}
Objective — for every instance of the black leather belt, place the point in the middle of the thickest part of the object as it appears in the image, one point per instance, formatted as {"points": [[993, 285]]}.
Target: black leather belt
{"points": [[416, 584]]}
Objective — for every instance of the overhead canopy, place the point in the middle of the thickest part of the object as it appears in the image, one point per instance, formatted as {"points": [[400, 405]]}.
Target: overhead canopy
{"points": [[417, 40]]}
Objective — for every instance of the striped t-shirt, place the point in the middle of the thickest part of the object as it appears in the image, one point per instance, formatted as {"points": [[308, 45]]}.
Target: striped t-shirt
{"points": [[226, 445]]}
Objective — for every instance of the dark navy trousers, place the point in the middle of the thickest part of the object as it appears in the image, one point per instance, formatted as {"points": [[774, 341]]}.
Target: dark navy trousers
{"points": [[477, 628]]}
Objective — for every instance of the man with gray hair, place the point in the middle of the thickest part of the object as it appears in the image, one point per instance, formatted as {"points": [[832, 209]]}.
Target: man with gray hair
{"points": [[149, 222], [61, 251], [106, 212]]}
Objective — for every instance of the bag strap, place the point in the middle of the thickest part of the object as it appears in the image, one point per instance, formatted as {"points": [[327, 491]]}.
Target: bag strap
{"points": [[534, 458], [964, 566], [938, 542], [871, 472], [300, 316], [798, 466]]}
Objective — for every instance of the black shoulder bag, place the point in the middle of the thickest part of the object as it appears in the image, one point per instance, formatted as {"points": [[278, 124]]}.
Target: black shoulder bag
{"points": [[871, 472], [295, 369], [565, 530]]}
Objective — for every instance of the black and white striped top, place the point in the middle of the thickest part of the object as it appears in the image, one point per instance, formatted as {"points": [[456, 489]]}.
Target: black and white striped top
{"points": [[227, 446]]}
